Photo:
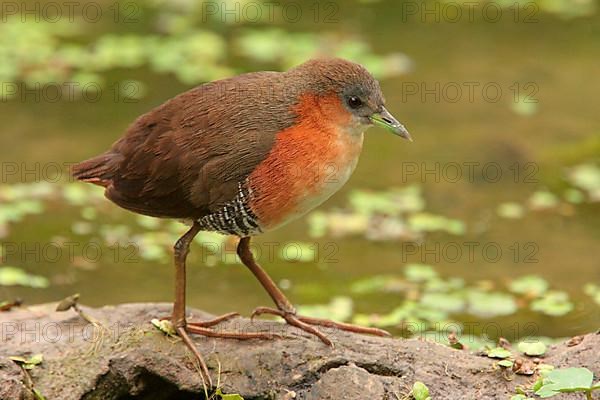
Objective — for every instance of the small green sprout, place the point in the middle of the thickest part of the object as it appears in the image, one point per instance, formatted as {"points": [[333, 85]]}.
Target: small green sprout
{"points": [[28, 363]]}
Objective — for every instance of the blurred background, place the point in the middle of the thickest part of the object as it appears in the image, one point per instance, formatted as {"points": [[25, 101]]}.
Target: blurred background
{"points": [[487, 225]]}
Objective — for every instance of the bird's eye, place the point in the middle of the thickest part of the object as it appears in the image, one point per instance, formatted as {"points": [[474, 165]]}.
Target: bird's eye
{"points": [[354, 102]]}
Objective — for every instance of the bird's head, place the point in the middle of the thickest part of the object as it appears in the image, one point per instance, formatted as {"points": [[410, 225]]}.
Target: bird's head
{"points": [[356, 95]]}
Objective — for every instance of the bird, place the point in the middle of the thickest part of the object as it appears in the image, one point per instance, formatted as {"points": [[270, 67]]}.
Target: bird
{"points": [[243, 156]]}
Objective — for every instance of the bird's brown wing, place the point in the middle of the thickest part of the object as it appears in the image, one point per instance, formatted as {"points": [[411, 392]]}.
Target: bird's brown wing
{"points": [[185, 158]]}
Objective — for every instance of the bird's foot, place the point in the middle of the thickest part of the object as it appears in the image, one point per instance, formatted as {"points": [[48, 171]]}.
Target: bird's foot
{"points": [[184, 328], [203, 328], [306, 324]]}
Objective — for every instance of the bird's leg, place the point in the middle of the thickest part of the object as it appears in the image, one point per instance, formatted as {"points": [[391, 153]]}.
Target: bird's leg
{"points": [[181, 250], [285, 309], [178, 319]]}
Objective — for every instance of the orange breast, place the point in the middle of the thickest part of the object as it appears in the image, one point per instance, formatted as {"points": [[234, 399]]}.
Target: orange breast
{"points": [[307, 164]]}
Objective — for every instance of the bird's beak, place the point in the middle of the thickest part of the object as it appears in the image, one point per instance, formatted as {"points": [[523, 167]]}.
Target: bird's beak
{"points": [[387, 121]]}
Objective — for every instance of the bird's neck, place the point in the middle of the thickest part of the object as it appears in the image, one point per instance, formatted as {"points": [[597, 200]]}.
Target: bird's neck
{"points": [[308, 163]]}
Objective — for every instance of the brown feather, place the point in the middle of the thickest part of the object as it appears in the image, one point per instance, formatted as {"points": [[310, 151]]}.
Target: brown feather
{"points": [[186, 157]]}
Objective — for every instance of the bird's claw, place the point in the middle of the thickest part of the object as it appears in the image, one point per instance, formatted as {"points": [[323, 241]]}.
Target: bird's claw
{"points": [[267, 310], [214, 321], [307, 324]]}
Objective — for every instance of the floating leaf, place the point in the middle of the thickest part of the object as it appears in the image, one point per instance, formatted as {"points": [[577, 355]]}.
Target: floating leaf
{"points": [[298, 252], [510, 210], [89, 213], [30, 206], [525, 106], [444, 285], [489, 304], [392, 202], [574, 196], [542, 200], [317, 222], [389, 215], [533, 348], [262, 45], [427, 222], [82, 228], [153, 245], [592, 290], [153, 252], [339, 309], [587, 178], [554, 303], [448, 302], [531, 285], [114, 51], [378, 283], [342, 224], [389, 228], [414, 315], [11, 276], [419, 272], [116, 234], [75, 194]]}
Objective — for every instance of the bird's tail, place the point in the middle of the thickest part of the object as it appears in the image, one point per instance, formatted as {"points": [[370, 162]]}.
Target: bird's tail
{"points": [[98, 170]]}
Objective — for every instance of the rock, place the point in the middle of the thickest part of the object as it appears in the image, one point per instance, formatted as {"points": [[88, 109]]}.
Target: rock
{"points": [[129, 358], [346, 382]]}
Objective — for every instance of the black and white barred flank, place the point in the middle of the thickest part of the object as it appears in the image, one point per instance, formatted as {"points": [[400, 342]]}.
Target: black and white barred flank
{"points": [[234, 218]]}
